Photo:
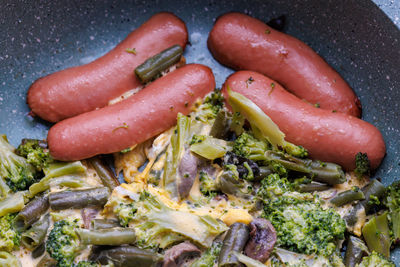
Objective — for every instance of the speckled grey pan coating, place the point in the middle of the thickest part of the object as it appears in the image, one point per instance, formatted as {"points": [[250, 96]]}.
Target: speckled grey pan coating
{"points": [[354, 36]]}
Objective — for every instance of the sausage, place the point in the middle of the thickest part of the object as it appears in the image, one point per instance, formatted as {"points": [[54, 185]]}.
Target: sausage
{"points": [[76, 90], [328, 136], [133, 120], [245, 43]]}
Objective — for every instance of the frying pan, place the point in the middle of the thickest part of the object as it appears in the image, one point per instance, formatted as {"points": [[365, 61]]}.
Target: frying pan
{"points": [[356, 37]]}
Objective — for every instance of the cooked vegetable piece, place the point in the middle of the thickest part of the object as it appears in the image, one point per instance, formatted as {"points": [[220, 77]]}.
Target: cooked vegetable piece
{"points": [[178, 254], [229, 182], [375, 260], [260, 122], [363, 166], [187, 173], [126, 256], [110, 236], [38, 251], [97, 224], [209, 257], [157, 225], [376, 234], [393, 203], [9, 260], [249, 262], [373, 191], [262, 240], [36, 153], [36, 235], [155, 65], [175, 152], [355, 219], [105, 173], [235, 240], [221, 125], [56, 169], [14, 169], [9, 236], [355, 251], [77, 199], [302, 225], [348, 196], [11, 204], [47, 261], [32, 212], [209, 147], [63, 242], [246, 145], [312, 187]]}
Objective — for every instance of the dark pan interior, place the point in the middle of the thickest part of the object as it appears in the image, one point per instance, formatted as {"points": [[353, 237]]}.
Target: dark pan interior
{"points": [[354, 36]]}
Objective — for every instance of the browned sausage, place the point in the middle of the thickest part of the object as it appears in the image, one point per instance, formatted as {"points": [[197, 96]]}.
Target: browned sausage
{"points": [[328, 136], [133, 120], [84, 88], [246, 43]]}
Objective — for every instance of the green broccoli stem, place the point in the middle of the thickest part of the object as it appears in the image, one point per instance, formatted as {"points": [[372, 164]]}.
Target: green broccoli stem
{"points": [[56, 170], [377, 234], [329, 173], [348, 196], [13, 203]]}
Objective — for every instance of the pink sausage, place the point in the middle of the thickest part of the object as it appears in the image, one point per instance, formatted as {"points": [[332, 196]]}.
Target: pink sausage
{"points": [[133, 120], [76, 90], [328, 136], [245, 43]]}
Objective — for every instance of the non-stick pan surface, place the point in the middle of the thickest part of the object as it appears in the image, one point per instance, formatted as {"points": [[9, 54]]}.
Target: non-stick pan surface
{"points": [[354, 36]]}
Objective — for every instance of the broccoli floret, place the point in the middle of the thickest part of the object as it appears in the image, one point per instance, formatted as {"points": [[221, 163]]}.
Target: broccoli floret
{"points": [[63, 243], [36, 153], [246, 145], [215, 101], [10, 237], [393, 203], [363, 165], [209, 257], [125, 212], [302, 225], [375, 260], [208, 186], [14, 169]]}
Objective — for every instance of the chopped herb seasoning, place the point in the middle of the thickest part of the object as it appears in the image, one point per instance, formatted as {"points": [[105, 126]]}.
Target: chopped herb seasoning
{"points": [[131, 50], [267, 31], [317, 105], [249, 81], [272, 88], [123, 126]]}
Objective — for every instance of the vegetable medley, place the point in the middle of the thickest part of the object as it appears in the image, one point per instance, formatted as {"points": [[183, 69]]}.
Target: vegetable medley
{"points": [[222, 188]]}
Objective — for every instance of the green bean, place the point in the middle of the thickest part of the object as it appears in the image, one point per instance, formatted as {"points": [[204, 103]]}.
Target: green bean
{"points": [[155, 65], [312, 187], [77, 199], [36, 234], [325, 172], [56, 170], [12, 203], [126, 256], [373, 189], [39, 250], [356, 249], [32, 212], [97, 224], [8, 260], [111, 236], [377, 235], [348, 196], [47, 261], [106, 175], [235, 240]]}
